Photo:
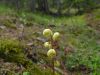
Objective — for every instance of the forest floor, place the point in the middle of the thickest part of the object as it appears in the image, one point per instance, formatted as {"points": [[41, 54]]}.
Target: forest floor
{"points": [[77, 33]]}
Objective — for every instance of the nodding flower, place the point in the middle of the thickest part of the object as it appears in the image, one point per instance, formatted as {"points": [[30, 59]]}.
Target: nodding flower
{"points": [[47, 33], [47, 45], [56, 63], [56, 36], [51, 53]]}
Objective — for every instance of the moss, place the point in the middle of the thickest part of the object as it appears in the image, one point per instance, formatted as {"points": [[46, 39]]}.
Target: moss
{"points": [[11, 50]]}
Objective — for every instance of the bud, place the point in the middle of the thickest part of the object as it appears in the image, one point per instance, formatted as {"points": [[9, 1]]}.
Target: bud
{"points": [[51, 53], [56, 36], [56, 63], [47, 45], [47, 33]]}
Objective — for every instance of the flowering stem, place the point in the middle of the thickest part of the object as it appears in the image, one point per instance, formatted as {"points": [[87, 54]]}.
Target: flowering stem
{"points": [[53, 66]]}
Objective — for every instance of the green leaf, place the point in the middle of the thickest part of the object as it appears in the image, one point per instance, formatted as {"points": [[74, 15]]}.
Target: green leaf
{"points": [[26, 73]]}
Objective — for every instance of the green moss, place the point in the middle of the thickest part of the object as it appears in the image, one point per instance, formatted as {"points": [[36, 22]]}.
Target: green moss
{"points": [[11, 50]]}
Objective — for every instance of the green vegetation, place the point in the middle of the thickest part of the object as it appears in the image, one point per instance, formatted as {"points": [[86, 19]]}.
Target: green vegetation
{"points": [[43, 19], [11, 50], [86, 49], [22, 50]]}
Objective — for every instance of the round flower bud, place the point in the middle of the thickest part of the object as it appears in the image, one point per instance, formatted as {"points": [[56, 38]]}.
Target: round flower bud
{"points": [[47, 33], [56, 63], [51, 53], [47, 45], [56, 36]]}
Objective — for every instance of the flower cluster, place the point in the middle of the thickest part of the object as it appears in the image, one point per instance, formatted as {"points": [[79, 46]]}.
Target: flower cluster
{"points": [[52, 37]]}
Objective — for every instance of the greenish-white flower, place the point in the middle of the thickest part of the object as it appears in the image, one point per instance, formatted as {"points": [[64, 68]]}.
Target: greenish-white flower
{"points": [[56, 63], [56, 36], [47, 45], [47, 33], [51, 53]]}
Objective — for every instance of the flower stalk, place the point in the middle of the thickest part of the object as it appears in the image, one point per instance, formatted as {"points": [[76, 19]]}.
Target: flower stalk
{"points": [[52, 45]]}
